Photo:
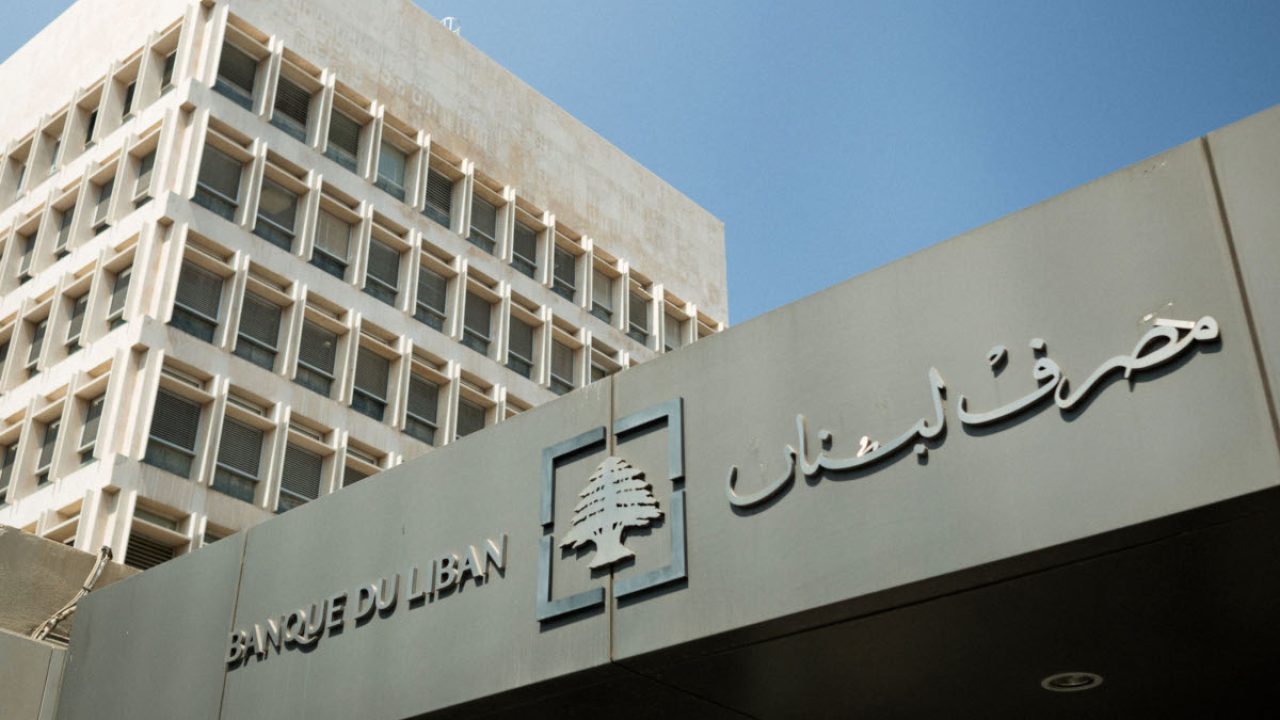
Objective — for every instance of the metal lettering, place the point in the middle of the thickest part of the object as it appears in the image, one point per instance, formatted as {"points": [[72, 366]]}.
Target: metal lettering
{"points": [[415, 592], [387, 600], [236, 651], [446, 573], [333, 619], [366, 602], [495, 555]]}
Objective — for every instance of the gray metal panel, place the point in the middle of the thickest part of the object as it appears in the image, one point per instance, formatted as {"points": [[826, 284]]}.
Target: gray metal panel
{"points": [[24, 670], [1246, 156], [53, 684], [463, 645], [152, 646], [1085, 272]]}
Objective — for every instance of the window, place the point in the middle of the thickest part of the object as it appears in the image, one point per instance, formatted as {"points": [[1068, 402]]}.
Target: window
{"points": [[476, 323], [22, 177], [316, 355], [166, 74], [382, 280], [370, 396], [37, 345], [119, 291], [236, 72], [47, 444], [89, 430], [439, 198], [130, 92], [561, 368], [524, 250], [64, 231], [638, 319], [277, 212], [76, 324], [424, 403], [484, 224], [293, 103], [300, 480], [333, 245], [28, 253], [520, 350], [4, 355], [432, 296], [391, 163], [8, 455], [470, 417], [142, 189], [55, 154], [672, 337], [239, 458], [199, 295], [91, 123], [144, 553], [351, 476], [602, 296], [102, 209], [565, 274], [218, 186], [172, 443], [259, 331], [344, 140]]}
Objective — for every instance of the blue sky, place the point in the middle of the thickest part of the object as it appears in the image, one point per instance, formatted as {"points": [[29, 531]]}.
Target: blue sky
{"points": [[834, 137]]}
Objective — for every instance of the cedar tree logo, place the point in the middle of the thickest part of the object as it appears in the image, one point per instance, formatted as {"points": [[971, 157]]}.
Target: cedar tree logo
{"points": [[617, 497]]}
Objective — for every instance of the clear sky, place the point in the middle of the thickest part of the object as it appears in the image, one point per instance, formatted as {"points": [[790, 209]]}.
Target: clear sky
{"points": [[835, 137]]}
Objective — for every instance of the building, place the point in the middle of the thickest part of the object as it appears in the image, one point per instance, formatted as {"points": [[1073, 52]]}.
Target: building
{"points": [[252, 252]]}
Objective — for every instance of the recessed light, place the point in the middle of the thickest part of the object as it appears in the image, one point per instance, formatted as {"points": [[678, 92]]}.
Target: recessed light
{"points": [[1071, 681]]}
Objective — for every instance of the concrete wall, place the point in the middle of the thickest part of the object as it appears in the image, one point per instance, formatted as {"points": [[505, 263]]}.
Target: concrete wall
{"points": [[1135, 464], [30, 675], [394, 52]]}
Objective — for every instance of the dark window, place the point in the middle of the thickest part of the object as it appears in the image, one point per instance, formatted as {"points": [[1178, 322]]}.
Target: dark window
{"points": [[476, 323], [344, 140], [89, 430], [602, 296], [38, 331], [199, 295], [102, 209], [293, 104], [424, 402], [391, 164], [470, 417], [7, 456], [565, 280], [166, 74], [484, 224], [333, 245], [239, 458], [130, 91], [439, 198], [520, 350], [259, 331], [316, 355], [119, 292], [142, 188], [370, 396], [561, 368], [524, 250], [174, 424], [47, 445], [277, 213], [64, 231], [672, 337], [300, 480], [638, 319], [432, 296], [236, 72], [76, 324], [218, 186], [91, 123], [144, 553], [28, 253], [383, 277], [351, 476]]}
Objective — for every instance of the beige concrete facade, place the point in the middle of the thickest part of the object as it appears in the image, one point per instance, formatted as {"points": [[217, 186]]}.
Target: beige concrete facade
{"points": [[143, 247]]}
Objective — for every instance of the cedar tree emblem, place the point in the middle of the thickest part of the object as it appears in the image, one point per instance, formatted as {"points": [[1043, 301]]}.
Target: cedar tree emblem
{"points": [[616, 498]]}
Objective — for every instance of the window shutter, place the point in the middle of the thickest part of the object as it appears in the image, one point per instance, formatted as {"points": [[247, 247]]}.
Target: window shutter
{"points": [[277, 204], [119, 290], [602, 290], [260, 320], [146, 164], [77, 318], [671, 333], [351, 476], [424, 397], [478, 315], [521, 334], [639, 312], [439, 192], [526, 243], [318, 348], [432, 289], [175, 420], [237, 67], [292, 101], [221, 173], [384, 263], [37, 341], [92, 418], [344, 133], [301, 474], [7, 456], [371, 373], [240, 448], [199, 291], [104, 200], [470, 418], [484, 217], [391, 162], [144, 553], [562, 361], [46, 446], [333, 235]]}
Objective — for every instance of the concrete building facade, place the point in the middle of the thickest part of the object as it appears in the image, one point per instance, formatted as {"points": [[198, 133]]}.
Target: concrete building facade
{"points": [[252, 252]]}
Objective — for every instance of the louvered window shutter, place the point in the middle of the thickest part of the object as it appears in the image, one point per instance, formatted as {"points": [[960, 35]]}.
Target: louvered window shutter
{"points": [[484, 217], [146, 164], [301, 474], [292, 101], [240, 449], [175, 420], [144, 553], [105, 191], [424, 397], [351, 476], [260, 320], [76, 322], [119, 291], [318, 348], [470, 418], [199, 291], [46, 446], [333, 235], [639, 312], [565, 270], [562, 361], [237, 67], [602, 290], [384, 263], [278, 205], [391, 162], [371, 373], [92, 418], [7, 456], [432, 289], [439, 193], [478, 316], [221, 173], [37, 341], [344, 134], [672, 337], [526, 243], [522, 339]]}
